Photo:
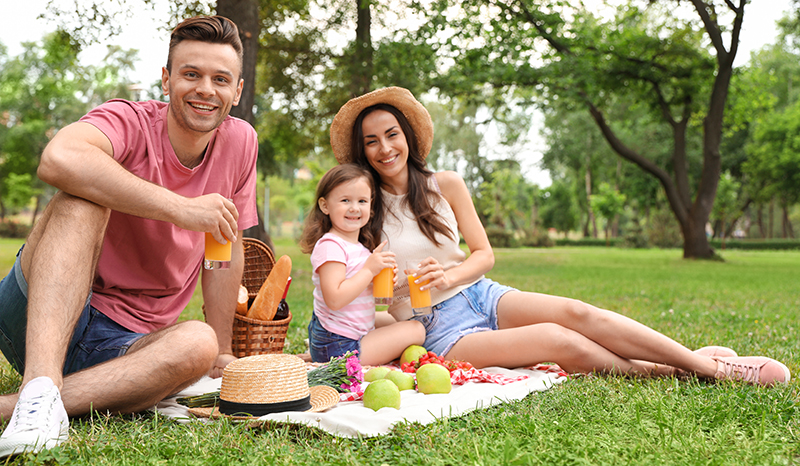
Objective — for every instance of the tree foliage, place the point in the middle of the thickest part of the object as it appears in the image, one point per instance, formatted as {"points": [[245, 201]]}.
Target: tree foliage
{"points": [[558, 208], [680, 69], [42, 90], [608, 202]]}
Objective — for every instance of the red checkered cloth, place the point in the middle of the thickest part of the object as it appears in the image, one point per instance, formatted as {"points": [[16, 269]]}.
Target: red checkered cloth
{"points": [[460, 377]]}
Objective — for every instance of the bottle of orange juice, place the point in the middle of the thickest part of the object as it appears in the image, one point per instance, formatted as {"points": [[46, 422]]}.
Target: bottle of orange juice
{"points": [[383, 286]]}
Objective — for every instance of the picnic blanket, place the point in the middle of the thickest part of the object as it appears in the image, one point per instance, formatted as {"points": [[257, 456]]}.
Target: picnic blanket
{"points": [[349, 418]]}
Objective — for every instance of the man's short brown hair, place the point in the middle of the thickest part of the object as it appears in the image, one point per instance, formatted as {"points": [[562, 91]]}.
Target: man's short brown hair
{"points": [[211, 29]]}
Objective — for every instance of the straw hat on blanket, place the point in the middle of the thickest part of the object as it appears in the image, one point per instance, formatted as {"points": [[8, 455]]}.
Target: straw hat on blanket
{"points": [[399, 98], [268, 383]]}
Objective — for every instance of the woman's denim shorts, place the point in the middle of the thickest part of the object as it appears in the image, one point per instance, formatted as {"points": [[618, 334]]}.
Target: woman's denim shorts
{"points": [[472, 310], [96, 338], [324, 345]]}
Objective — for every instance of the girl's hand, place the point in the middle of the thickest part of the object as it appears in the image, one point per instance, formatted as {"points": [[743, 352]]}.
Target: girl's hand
{"points": [[431, 269], [380, 259]]}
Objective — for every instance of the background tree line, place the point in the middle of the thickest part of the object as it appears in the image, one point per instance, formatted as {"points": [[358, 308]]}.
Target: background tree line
{"points": [[650, 130]]}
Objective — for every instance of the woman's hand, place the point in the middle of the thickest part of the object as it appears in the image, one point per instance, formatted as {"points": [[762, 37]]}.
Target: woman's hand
{"points": [[431, 269]]}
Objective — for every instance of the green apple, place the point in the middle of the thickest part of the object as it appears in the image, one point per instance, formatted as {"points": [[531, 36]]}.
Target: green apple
{"points": [[401, 379], [376, 373], [382, 393], [412, 354], [433, 378]]}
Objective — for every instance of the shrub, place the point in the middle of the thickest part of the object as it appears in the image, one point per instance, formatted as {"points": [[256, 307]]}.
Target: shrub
{"points": [[500, 237], [756, 244], [635, 238], [540, 239], [663, 229], [589, 242], [10, 229]]}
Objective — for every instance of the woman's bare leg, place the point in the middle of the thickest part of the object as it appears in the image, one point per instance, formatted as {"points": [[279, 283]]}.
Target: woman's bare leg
{"points": [[532, 344], [617, 334], [382, 319]]}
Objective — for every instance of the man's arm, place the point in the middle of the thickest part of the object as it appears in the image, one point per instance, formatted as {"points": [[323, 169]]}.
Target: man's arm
{"points": [[79, 161], [220, 290]]}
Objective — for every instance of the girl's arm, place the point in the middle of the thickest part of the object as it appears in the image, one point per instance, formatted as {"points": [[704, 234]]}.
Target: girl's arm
{"points": [[339, 291], [481, 257]]}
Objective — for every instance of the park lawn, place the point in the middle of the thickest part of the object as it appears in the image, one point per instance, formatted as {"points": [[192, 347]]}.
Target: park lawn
{"points": [[749, 302]]}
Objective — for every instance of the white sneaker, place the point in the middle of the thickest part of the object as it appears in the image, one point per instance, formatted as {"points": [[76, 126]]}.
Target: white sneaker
{"points": [[39, 422]]}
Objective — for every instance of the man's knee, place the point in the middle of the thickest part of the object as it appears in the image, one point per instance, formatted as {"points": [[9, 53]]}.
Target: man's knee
{"points": [[70, 220], [77, 209], [198, 343]]}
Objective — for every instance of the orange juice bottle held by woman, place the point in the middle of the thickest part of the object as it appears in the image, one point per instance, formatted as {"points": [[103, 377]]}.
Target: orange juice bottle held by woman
{"points": [[420, 299]]}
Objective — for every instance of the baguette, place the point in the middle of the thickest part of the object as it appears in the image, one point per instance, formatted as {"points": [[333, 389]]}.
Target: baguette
{"points": [[241, 302], [269, 296]]}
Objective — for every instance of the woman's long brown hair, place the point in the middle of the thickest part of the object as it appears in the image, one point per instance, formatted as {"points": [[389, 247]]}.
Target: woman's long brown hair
{"points": [[420, 198]]}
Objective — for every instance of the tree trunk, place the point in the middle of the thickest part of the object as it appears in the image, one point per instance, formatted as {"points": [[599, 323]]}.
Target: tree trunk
{"points": [[788, 231], [258, 232], [588, 182], [741, 213], [362, 58], [716, 227], [692, 217], [617, 180], [36, 210], [771, 219], [245, 14], [760, 220], [695, 241]]}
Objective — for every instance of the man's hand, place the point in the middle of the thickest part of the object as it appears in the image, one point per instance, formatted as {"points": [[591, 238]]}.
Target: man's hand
{"points": [[210, 213], [222, 361]]}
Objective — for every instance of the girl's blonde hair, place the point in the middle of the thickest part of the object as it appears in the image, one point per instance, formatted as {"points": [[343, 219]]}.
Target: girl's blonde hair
{"points": [[318, 223]]}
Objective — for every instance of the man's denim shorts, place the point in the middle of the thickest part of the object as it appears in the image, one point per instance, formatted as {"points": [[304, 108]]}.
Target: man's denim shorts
{"points": [[472, 310], [96, 338], [324, 345]]}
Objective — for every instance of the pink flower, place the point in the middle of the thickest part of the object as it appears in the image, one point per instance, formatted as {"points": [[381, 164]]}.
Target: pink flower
{"points": [[354, 367]]}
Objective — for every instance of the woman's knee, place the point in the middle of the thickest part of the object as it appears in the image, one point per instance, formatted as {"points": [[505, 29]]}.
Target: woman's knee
{"points": [[417, 330], [567, 344], [580, 312]]}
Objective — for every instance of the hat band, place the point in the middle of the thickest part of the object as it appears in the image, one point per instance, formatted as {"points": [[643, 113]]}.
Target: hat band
{"points": [[260, 409]]}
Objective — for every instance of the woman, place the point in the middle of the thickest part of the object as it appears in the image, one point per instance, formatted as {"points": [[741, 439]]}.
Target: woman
{"points": [[475, 319]]}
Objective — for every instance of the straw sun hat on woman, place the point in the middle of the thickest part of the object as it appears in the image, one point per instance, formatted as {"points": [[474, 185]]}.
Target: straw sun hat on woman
{"points": [[398, 97]]}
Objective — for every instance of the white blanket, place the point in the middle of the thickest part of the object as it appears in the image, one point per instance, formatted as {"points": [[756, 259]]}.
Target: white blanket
{"points": [[352, 419]]}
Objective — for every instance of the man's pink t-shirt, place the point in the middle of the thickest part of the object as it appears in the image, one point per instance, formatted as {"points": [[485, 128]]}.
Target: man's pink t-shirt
{"points": [[148, 269], [357, 318]]}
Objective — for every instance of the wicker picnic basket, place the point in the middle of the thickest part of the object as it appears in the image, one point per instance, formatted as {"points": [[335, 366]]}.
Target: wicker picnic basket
{"points": [[252, 336]]}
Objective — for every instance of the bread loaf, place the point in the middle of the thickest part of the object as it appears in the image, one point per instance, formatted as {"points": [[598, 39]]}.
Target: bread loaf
{"points": [[269, 296], [241, 302]]}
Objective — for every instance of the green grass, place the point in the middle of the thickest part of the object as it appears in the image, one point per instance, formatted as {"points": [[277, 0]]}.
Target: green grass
{"points": [[749, 302]]}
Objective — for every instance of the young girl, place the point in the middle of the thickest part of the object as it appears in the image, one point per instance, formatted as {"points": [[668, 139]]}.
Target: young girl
{"points": [[343, 269]]}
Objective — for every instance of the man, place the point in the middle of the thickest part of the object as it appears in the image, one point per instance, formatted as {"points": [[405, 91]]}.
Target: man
{"points": [[140, 183]]}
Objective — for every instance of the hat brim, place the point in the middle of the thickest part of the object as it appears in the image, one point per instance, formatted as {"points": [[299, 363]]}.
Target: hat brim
{"points": [[322, 398], [398, 97]]}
